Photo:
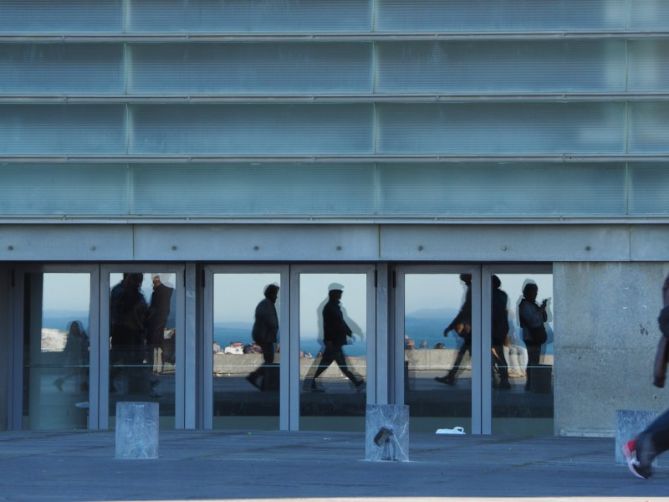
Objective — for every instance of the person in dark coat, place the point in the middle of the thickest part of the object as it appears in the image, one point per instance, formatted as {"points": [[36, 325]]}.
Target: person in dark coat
{"points": [[532, 317], [654, 440], [462, 325], [335, 335], [264, 333], [499, 330], [159, 311]]}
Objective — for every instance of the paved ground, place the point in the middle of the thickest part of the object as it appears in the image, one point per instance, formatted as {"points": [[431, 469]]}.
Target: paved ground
{"points": [[309, 466]]}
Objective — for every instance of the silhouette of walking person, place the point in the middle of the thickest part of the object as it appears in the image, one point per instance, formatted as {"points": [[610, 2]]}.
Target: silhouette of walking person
{"points": [[335, 335], [532, 318], [462, 325], [499, 330], [654, 440], [159, 311], [264, 333]]}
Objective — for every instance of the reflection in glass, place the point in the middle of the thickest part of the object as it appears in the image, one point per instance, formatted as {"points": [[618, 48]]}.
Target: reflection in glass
{"points": [[333, 351], [56, 351], [522, 346], [246, 351], [437, 350], [142, 355]]}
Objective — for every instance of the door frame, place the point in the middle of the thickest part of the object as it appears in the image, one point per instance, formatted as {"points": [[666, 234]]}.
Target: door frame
{"points": [[370, 271], [398, 302], [15, 419], [207, 353], [184, 380]]}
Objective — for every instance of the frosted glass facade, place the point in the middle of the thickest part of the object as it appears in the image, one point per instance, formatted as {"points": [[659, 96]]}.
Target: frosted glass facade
{"points": [[323, 108]]}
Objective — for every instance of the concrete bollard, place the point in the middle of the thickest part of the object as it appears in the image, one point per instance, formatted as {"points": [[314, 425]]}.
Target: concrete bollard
{"points": [[137, 430], [387, 432], [629, 423]]}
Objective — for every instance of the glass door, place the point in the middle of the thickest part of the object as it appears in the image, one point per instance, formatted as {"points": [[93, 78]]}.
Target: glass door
{"points": [[519, 319], [60, 328], [143, 327], [437, 328], [333, 308], [246, 342]]}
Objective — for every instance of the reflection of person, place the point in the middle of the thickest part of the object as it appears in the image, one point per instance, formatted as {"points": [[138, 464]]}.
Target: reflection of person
{"points": [[654, 440], [76, 357], [265, 329], [159, 310], [335, 336], [532, 318], [499, 331], [128, 311], [462, 325]]}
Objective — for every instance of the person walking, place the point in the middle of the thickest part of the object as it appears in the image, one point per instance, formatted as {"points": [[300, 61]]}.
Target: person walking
{"points": [[264, 333], [532, 318], [654, 440], [335, 335]]}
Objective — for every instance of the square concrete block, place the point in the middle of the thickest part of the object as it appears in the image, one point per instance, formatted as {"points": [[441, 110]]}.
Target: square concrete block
{"points": [[387, 432], [136, 430], [629, 423]]}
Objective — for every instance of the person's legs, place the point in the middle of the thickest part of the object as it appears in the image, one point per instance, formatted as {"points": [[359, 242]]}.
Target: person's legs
{"points": [[268, 358], [342, 362], [533, 355], [499, 361], [642, 450]]}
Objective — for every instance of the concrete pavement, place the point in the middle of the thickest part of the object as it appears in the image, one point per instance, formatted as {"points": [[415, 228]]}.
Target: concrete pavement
{"points": [[315, 466]]}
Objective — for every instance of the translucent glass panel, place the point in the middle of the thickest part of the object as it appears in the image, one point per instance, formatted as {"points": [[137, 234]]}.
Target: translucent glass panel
{"points": [[62, 129], [333, 351], [261, 190], [499, 189], [56, 351], [438, 351], [142, 340], [649, 193], [246, 371], [38, 189], [522, 354], [502, 66], [261, 68], [327, 190], [62, 16], [63, 68], [509, 15], [649, 127], [649, 63], [540, 128], [649, 15], [252, 129], [250, 15]]}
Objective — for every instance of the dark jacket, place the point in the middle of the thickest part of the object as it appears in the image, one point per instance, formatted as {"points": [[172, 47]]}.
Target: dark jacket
{"points": [[335, 329], [532, 319], [266, 325], [159, 310], [500, 318]]}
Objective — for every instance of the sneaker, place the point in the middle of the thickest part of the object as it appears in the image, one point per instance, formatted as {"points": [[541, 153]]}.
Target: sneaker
{"points": [[359, 385], [316, 387], [635, 467], [445, 380]]}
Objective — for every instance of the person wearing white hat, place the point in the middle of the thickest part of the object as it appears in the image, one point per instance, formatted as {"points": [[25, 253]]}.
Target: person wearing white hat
{"points": [[335, 336]]}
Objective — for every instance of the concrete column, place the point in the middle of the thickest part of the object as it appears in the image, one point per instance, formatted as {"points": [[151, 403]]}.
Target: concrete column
{"points": [[606, 334]]}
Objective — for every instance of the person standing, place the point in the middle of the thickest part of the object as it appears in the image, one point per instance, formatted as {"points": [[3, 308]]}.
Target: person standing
{"points": [[654, 440], [159, 311], [264, 333], [499, 331], [532, 318], [335, 335]]}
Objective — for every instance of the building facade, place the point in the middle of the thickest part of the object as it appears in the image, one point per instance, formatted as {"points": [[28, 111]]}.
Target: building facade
{"points": [[406, 150]]}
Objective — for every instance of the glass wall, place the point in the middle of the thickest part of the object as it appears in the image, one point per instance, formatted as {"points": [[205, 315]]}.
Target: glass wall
{"points": [[438, 350], [142, 340], [246, 350], [56, 350], [333, 350], [522, 353]]}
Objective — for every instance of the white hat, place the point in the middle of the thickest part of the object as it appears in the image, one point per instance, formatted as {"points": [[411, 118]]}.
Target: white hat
{"points": [[335, 286]]}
